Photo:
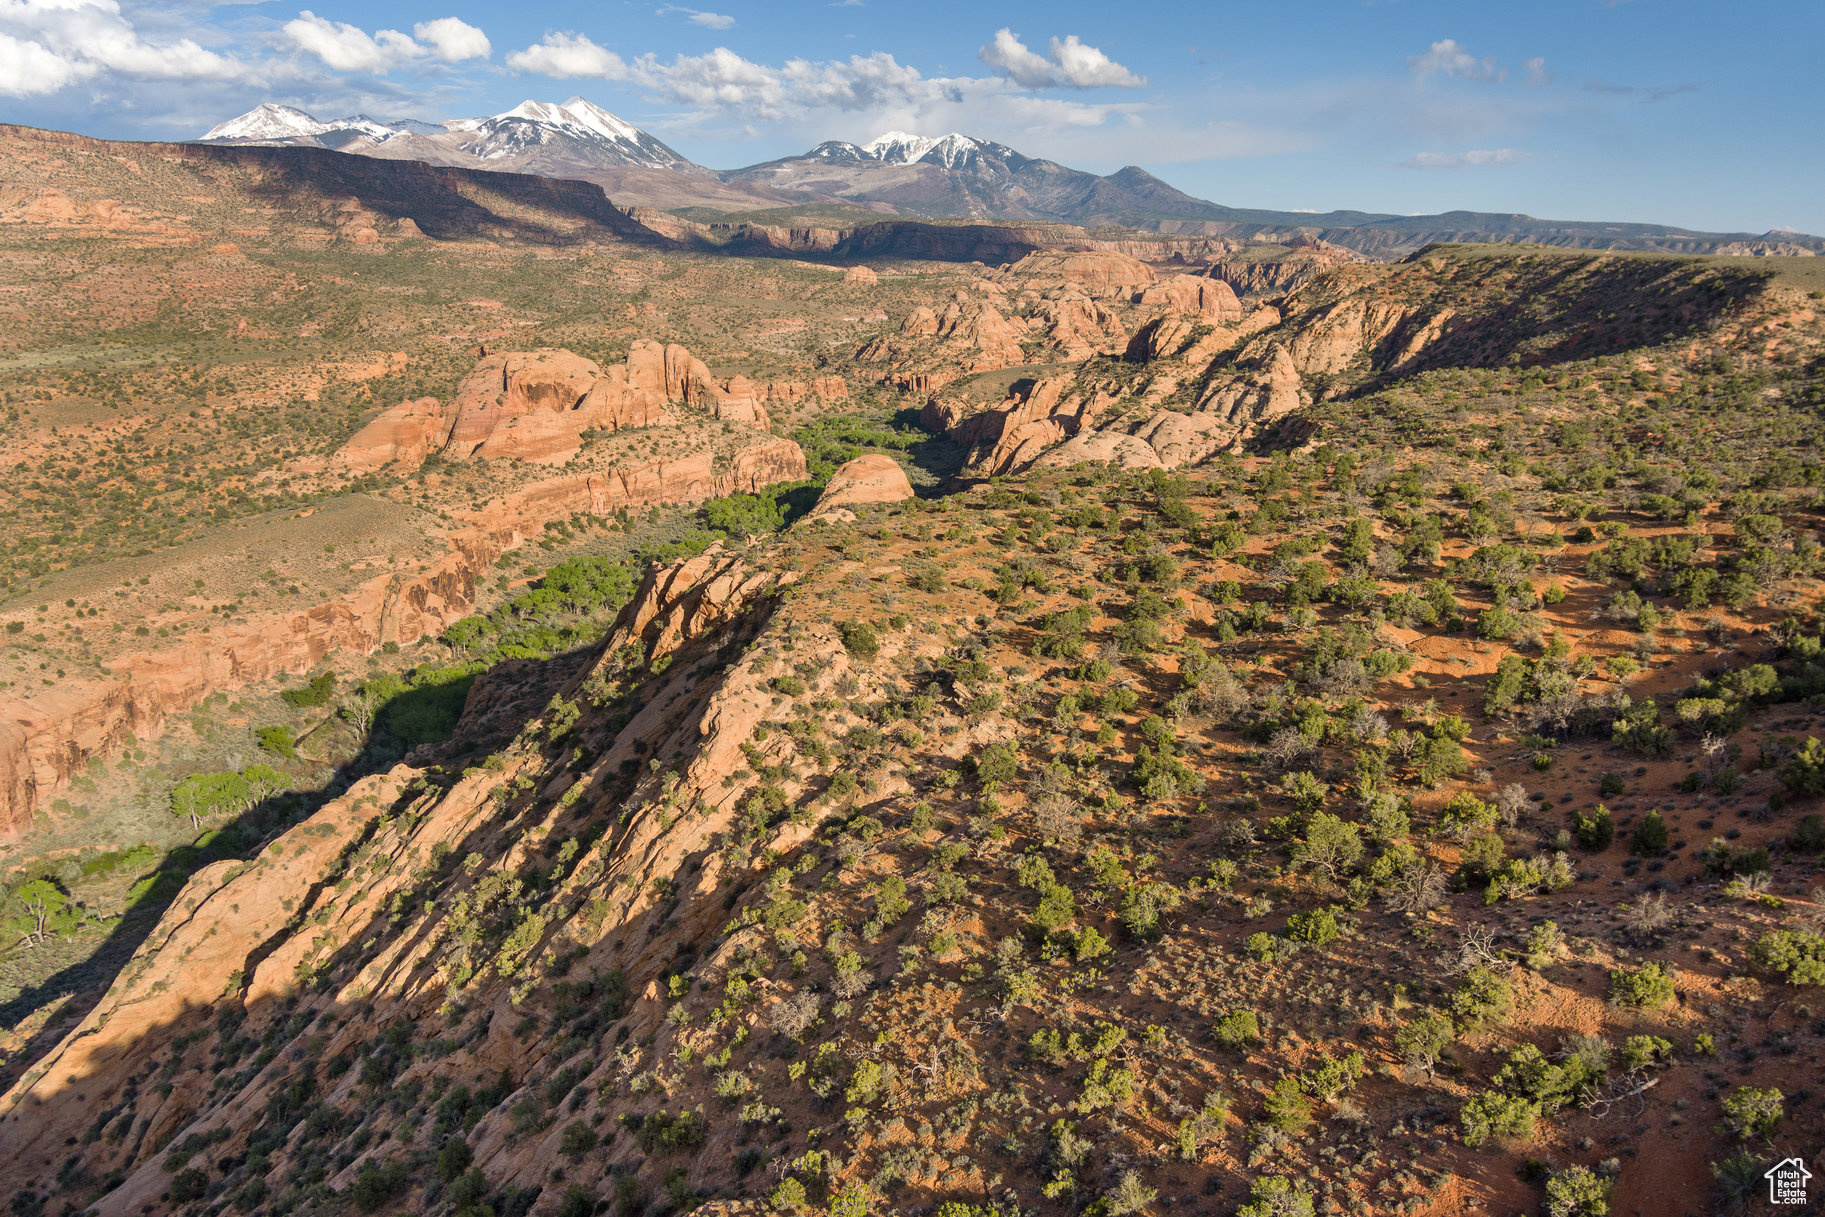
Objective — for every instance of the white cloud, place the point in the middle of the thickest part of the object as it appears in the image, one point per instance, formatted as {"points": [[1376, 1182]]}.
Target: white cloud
{"points": [[1445, 57], [877, 89], [452, 39], [709, 21], [46, 45], [1072, 64], [348, 48], [1536, 71], [1476, 158], [28, 68], [569, 57]]}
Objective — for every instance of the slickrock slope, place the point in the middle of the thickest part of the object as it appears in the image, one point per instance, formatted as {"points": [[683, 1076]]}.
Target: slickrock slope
{"points": [[867, 479]]}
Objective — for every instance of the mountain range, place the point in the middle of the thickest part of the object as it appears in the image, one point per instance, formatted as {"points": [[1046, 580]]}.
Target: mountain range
{"points": [[952, 176]]}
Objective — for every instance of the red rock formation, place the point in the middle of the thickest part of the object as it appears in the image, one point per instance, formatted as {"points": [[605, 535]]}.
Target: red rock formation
{"points": [[1210, 298], [867, 479], [1100, 274], [403, 434], [47, 738], [511, 385]]}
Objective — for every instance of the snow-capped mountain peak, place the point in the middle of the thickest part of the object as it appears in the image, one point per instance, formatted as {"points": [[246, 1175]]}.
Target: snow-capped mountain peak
{"points": [[577, 114], [904, 148], [536, 136], [268, 121]]}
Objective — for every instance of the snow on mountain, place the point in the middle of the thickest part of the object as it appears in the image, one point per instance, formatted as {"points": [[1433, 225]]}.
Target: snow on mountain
{"points": [[268, 122], [538, 136], [577, 115], [951, 151]]}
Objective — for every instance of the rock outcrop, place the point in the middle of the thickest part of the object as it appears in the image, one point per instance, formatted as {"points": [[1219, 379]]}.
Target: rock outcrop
{"points": [[228, 954], [1101, 274], [404, 435], [536, 406], [874, 478], [1210, 298]]}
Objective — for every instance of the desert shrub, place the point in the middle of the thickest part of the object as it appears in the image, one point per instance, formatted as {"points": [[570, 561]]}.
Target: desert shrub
{"points": [[659, 1132], [1315, 927], [997, 765], [1331, 845], [1334, 1076], [860, 639], [316, 692], [1577, 1191], [1640, 1052], [1465, 814], [278, 741], [1286, 1106], [1480, 994], [1808, 836], [453, 1159], [1551, 1085], [1492, 1115], [1722, 860], [1796, 954], [1237, 1030], [1649, 838], [1276, 1196], [1645, 987], [578, 1138], [377, 1185], [1751, 1111], [1057, 908], [1423, 1040], [1596, 830], [1143, 904]]}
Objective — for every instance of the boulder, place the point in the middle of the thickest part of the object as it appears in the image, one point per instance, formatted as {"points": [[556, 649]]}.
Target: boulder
{"points": [[866, 479], [861, 274]]}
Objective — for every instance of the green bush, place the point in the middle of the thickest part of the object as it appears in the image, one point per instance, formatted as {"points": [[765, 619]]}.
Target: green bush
{"points": [[1577, 1191], [1480, 994], [1318, 927], [1796, 954], [1425, 1039], [1804, 772], [376, 1185], [1649, 838], [278, 741], [453, 1159], [1276, 1196], [1057, 908], [315, 693], [1808, 836], [1596, 830], [1493, 1114], [1645, 987], [1237, 1030], [860, 639], [188, 1185], [1751, 1111], [1286, 1106]]}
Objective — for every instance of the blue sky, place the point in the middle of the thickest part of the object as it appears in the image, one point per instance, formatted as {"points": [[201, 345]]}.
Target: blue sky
{"points": [[1669, 111]]}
